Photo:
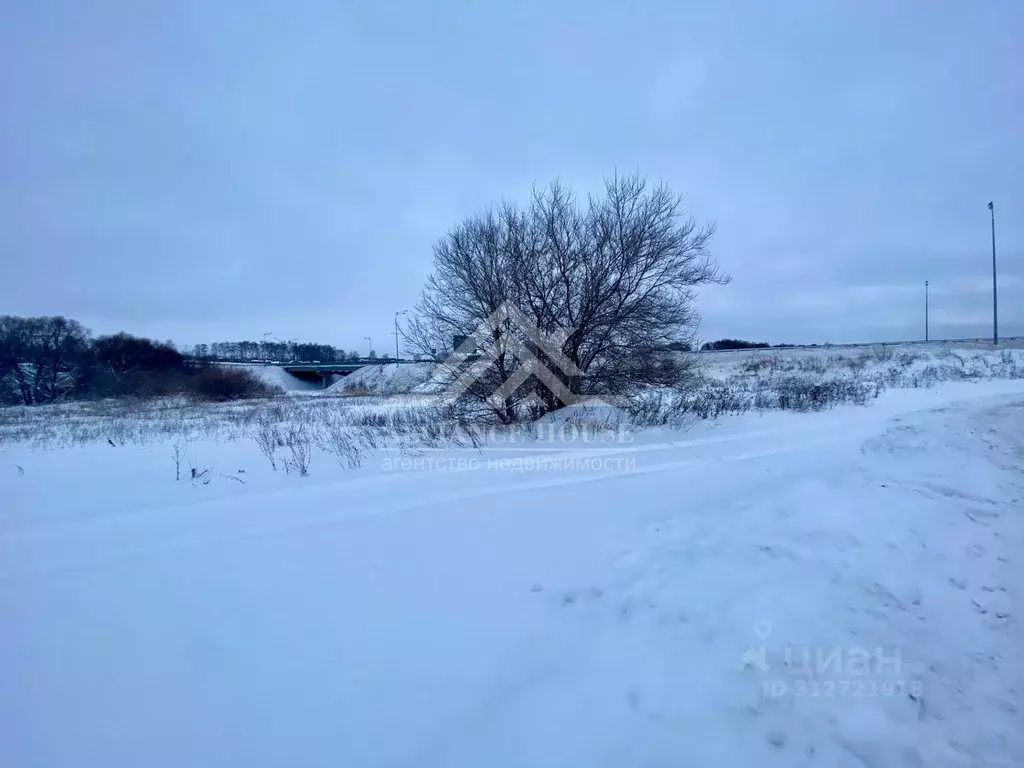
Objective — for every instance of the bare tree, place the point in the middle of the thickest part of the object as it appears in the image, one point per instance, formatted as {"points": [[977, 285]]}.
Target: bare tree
{"points": [[45, 356], [559, 301], [60, 352], [15, 348], [125, 364]]}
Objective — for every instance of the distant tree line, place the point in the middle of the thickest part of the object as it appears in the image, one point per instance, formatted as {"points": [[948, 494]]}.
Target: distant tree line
{"points": [[721, 344], [271, 352], [714, 346], [51, 359]]}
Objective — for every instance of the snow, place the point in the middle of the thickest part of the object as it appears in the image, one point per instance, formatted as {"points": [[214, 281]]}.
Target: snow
{"points": [[278, 377], [385, 379], [624, 603], [426, 378], [874, 356]]}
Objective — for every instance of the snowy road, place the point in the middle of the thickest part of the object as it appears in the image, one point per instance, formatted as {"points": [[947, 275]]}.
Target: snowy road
{"points": [[831, 589]]}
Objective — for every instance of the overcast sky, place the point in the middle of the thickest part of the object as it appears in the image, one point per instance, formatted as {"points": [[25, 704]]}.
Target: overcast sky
{"points": [[208, 170]]}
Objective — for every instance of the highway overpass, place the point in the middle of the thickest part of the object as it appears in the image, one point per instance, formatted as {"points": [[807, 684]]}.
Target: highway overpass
{"points": [[322, 372]]}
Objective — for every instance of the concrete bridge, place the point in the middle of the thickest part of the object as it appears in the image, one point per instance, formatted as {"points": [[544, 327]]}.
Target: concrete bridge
{"points": [[323, 372]]}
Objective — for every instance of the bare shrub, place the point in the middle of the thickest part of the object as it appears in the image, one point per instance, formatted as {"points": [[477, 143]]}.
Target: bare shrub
{"points": [[300, 452], [217, 383], [882, 354], [1009, 365], [268, 438], [179, 454], [801, 394], [926, 378], [761, 363], [891, 377], [592, 419], [857, 362], [345, 443], [711, 399], [652, 409], [719, 398], [813, 365]]}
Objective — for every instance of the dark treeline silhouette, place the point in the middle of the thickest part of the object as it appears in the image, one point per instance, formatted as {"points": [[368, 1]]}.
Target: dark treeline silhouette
{"points": [[713, 346], [51, 359], [271, 352]]}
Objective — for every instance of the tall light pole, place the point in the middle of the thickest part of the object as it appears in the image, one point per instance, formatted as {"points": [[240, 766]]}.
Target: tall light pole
{"points": [[926, 310], [369, 343], [399, 312], [995, 294]]}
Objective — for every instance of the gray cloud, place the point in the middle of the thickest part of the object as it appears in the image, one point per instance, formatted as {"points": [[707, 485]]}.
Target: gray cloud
{"points": [[220, 170]]}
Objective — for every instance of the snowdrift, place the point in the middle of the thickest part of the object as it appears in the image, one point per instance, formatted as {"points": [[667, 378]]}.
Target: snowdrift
{"points": [[387, 379], [278, 377]]}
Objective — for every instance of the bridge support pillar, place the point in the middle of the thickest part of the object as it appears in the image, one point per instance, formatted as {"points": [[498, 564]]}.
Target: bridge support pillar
{"points": [[325, 379]]}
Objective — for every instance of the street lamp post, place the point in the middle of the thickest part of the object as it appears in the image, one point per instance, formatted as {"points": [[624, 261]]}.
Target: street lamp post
{"points": [[926, 310], [399, 312], [369, 343], [995, 293]]}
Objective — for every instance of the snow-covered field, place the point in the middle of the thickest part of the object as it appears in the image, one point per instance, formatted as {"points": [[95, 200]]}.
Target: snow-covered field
{"points": [[834, 588]]}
